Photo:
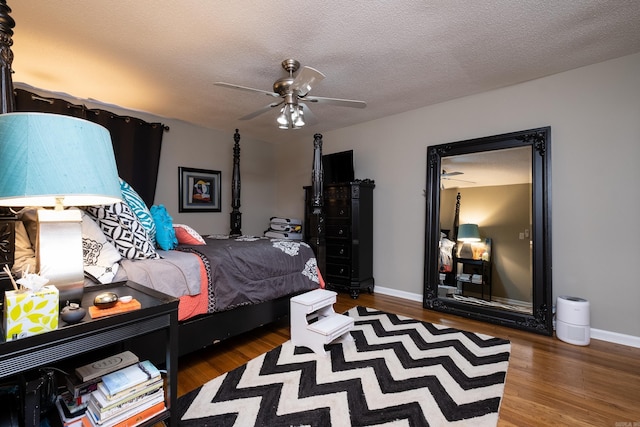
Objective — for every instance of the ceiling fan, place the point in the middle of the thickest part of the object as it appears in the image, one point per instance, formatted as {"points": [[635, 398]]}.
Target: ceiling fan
{"points": [[294, 93], [447, 176]]}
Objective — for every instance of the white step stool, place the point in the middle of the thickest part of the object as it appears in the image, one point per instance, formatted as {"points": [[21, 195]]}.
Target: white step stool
{"points": [[329, 326]]}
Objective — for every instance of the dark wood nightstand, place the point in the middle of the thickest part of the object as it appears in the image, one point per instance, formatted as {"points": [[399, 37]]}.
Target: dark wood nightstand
{"points": [[159, 312]]}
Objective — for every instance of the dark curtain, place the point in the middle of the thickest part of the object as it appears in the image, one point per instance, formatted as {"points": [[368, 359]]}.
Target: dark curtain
{"points": [[136, 143]]}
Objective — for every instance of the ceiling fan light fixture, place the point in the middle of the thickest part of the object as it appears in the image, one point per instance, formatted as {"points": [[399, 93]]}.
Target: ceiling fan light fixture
{"points": [[292, 90], [298, 117], [291, 117], [282, 118]]}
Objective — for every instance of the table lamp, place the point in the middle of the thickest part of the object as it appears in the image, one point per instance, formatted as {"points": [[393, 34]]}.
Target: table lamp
{"points": [[467, 233], [56, 161]]}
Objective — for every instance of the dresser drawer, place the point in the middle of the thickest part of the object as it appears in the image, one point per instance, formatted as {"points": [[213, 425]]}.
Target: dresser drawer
{"points": [[338, 210], [339, 249], [338, 231], [341, 192], [338, 270]]}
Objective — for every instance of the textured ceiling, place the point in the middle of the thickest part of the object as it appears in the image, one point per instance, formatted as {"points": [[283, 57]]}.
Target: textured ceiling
{"points": [[163, 56]]}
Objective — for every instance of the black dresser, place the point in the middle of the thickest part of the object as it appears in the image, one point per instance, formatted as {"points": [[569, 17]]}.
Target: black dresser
{"points": [[348, 234]]}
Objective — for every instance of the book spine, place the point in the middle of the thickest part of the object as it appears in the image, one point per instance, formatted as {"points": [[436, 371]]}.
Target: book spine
{"points": [[130, 376], [143, 416], [126, 419], [134, 407], [105, 400], [126, 404]]}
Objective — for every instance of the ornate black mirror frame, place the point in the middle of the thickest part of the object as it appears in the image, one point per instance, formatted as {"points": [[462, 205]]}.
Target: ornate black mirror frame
{"points": [[540, 321]]}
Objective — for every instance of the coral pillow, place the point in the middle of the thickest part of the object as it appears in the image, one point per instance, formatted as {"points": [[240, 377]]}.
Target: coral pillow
{"points": [[187, 235]]}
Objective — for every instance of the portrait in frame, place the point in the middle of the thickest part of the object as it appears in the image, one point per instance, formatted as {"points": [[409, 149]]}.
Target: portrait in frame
{"points": [[199, 190]]}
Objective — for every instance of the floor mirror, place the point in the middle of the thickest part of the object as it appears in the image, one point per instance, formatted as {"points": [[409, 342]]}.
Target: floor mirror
{"points": [[488, 229]]}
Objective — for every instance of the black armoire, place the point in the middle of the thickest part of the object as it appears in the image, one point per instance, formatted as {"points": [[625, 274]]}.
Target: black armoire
{"points": [[348, 234]]}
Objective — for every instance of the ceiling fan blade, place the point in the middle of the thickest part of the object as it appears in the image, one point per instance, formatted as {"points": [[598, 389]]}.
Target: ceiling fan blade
{"points": [[305, 80], [335, 101], [445, 173], [459, 180], [309, 117], [248, 89], [260, 111]]}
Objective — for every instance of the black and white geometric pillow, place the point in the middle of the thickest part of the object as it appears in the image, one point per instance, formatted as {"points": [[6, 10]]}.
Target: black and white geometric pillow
{"points": [[124, 230], [100, 256]]}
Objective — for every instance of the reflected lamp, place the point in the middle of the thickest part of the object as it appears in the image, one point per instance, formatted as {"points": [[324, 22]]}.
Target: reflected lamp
{"points": [[55, 161], [467, 234]]}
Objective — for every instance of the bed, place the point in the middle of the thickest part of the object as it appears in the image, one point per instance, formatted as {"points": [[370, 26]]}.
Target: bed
{"points": [[229, 284]]}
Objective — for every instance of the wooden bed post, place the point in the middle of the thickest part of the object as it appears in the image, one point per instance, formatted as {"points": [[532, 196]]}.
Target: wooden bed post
{"points": [[7, 23], [236, 216], [318, 244]]}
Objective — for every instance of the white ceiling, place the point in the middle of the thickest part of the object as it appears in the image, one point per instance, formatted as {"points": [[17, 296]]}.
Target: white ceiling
{"points": [[162, 56], [488, 168]]}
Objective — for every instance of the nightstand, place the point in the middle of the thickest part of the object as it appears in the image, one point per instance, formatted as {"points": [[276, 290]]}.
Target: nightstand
{"points": [[159, 312]]}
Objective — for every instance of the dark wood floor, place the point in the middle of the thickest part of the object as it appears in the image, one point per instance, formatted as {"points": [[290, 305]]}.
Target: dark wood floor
{"points": [[549, 382]]}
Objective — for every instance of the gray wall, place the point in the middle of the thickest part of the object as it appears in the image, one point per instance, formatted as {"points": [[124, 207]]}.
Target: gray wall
{"points": [[594, 114]]}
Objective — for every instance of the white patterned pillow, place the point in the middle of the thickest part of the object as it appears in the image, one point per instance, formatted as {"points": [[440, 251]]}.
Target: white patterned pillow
{"points": [[100, 256], [123, 229], [139, 208]]}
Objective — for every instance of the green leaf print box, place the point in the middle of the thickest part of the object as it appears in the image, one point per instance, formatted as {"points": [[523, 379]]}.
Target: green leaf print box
{"points": [[28, 313]]}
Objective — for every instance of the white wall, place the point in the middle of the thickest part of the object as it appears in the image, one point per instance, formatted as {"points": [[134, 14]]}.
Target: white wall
{"points": [[594, 114]]}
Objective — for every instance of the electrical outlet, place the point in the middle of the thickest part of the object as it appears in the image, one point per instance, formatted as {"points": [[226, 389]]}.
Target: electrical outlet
{"points": [[521, 236]]}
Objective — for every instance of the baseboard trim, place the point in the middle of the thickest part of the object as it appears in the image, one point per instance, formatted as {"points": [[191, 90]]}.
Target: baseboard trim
{"points": [[615, 337], [596, 334]]}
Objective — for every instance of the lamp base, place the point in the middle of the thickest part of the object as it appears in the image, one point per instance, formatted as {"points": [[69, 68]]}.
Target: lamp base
{"points": [[466, 251], [60, 252]]}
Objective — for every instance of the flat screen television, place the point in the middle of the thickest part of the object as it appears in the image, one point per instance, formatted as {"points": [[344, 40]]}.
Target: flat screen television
{"points": [[338, 167]]}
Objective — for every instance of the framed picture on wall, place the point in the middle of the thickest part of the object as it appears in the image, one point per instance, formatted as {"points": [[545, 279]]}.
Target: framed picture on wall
{"points": [[199, 190]]}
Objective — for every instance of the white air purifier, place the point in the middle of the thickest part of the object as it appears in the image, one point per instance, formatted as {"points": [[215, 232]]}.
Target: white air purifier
{"points": [[572, 320]]}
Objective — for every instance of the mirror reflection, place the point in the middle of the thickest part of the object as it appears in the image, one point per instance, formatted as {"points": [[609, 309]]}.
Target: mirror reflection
{"points": [[487, 234], [485, 229]]}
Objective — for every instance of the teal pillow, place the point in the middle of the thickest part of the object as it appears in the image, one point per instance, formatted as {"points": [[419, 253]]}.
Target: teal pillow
{"points": [[139, 208], [165, 235]]}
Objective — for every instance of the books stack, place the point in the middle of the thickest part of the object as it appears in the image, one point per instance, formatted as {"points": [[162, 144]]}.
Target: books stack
{"points": [[86, 379], [126, 397], [284, 228]]}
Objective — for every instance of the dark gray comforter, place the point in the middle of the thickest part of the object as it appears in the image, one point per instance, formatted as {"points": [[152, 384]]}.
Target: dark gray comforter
{"points": [[249, 270]]}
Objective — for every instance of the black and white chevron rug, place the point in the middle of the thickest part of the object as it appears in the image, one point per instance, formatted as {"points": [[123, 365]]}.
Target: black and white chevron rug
{"points": [[397, 372]]}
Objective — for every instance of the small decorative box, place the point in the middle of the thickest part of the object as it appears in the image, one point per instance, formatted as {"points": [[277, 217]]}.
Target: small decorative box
{"points": [[28, 313]]}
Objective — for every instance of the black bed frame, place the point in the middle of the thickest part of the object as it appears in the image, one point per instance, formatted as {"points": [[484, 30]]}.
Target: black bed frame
{"points": [[206, 329]]}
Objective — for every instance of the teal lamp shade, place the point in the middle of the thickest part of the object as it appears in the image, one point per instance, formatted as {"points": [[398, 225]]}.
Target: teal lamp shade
{"points": [[468, 233], [50, 159]]}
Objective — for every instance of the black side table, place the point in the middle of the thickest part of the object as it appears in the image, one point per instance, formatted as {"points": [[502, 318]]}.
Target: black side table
{"points": [[159, 312]]}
